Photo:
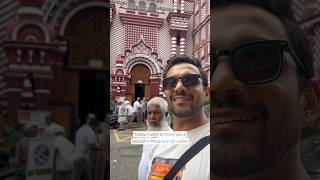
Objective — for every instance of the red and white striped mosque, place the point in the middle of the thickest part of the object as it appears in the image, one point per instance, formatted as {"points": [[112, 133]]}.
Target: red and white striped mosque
{"points": [[52, 58], [146, 33]]}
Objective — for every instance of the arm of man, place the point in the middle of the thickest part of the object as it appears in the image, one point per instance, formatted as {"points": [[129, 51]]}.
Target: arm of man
{"points": [[92, 142], [96, 147]]}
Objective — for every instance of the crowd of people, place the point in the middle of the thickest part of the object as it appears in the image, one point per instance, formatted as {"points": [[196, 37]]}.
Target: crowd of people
{"points": [[128, 114], [86, 158]]}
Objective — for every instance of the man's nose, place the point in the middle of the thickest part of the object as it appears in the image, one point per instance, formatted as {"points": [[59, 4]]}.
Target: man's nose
{"points": [[224, 79], [179, 86], [152, 115]]}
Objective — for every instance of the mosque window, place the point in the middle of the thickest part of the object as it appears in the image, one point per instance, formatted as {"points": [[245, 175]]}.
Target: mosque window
{"points": [[131, 4], [152, 7], [142, 6]]}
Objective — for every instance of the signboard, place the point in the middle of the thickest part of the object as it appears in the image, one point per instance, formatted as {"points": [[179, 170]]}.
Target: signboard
{"points": [[27, 116], [40, 159], [122, 113], [121, 98]]}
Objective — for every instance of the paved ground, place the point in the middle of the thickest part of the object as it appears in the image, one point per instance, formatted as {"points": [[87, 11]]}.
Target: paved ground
{"points": [[124, 157]]}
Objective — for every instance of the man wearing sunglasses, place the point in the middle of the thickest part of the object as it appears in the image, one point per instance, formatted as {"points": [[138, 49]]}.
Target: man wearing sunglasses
{"points": [[185, 85], [262, 89]]}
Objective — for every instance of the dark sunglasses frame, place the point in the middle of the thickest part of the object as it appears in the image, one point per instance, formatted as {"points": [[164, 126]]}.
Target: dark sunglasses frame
{"points": [[182, 80], [281, 44]]}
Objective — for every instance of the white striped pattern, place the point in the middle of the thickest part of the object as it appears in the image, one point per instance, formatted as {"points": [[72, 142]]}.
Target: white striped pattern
{"points": [[8, 9], [117, 38], [189, 38], [164, 39], [298, 9], [164, 42]]}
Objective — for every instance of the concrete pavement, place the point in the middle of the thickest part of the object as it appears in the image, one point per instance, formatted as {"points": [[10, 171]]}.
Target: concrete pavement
{"points": [[124, 157]]}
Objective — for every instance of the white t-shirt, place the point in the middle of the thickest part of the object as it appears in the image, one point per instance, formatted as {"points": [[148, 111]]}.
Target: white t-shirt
{"points": [[129, 110], [84, 136], [52, 128], [64, 147], [136, 106], [146, 149], [162, 158]]}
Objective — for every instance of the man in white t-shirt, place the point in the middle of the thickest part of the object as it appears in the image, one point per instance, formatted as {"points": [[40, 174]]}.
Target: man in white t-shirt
{"points": [[136, 110], [85, 141], [52, 126], [129, 113], [156, 121], [63, 156], [185, 86]]}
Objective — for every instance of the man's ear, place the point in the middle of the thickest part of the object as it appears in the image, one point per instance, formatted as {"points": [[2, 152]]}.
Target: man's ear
{"points": [[311, 101], [207, 93]]}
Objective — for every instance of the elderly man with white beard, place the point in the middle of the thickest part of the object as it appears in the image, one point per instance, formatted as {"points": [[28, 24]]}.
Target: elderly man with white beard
{"points": [[156, 115]]}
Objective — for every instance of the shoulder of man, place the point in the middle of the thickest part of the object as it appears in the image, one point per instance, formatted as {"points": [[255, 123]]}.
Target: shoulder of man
{"points": [[87, 129]]}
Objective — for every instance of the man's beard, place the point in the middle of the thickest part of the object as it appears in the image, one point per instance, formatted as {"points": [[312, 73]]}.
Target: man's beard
{"points": [[151, 127], [186, 111], [233, 156]]}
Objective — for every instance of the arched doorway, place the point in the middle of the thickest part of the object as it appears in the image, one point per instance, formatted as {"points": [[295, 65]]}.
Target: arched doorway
{"points": [[140, 81], [84, 66]]}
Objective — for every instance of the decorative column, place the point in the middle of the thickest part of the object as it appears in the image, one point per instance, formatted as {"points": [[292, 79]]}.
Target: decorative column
{"points": [[30, 56], [173, 45], [14, 83], [182, 45], [178, 24], [173, 42], [43, 86], [182, 6], [175, 6]]}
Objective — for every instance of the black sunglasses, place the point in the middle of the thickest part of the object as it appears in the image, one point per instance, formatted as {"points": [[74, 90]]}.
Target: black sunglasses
{"points": [[188, 80], [258, 61]]}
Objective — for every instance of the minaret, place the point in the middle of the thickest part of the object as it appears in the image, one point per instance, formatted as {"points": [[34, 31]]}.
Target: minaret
{"points": [[178, 27]]}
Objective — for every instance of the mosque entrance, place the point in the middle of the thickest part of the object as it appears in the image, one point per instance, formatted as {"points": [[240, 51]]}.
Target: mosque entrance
{"points": [[140, 81], [84, 72], [139, 91]]}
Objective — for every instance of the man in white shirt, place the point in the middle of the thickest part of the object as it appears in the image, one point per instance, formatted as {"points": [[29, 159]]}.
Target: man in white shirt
{"points": [[129, 113], [185, 86], [52, 126], [85, 141], [156, 121], [63, 156], [137, 109]]}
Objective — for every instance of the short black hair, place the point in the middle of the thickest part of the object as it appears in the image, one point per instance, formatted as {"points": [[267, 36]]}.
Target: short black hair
{"points": [[297, 39], [179, 59], [50, 117]]}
